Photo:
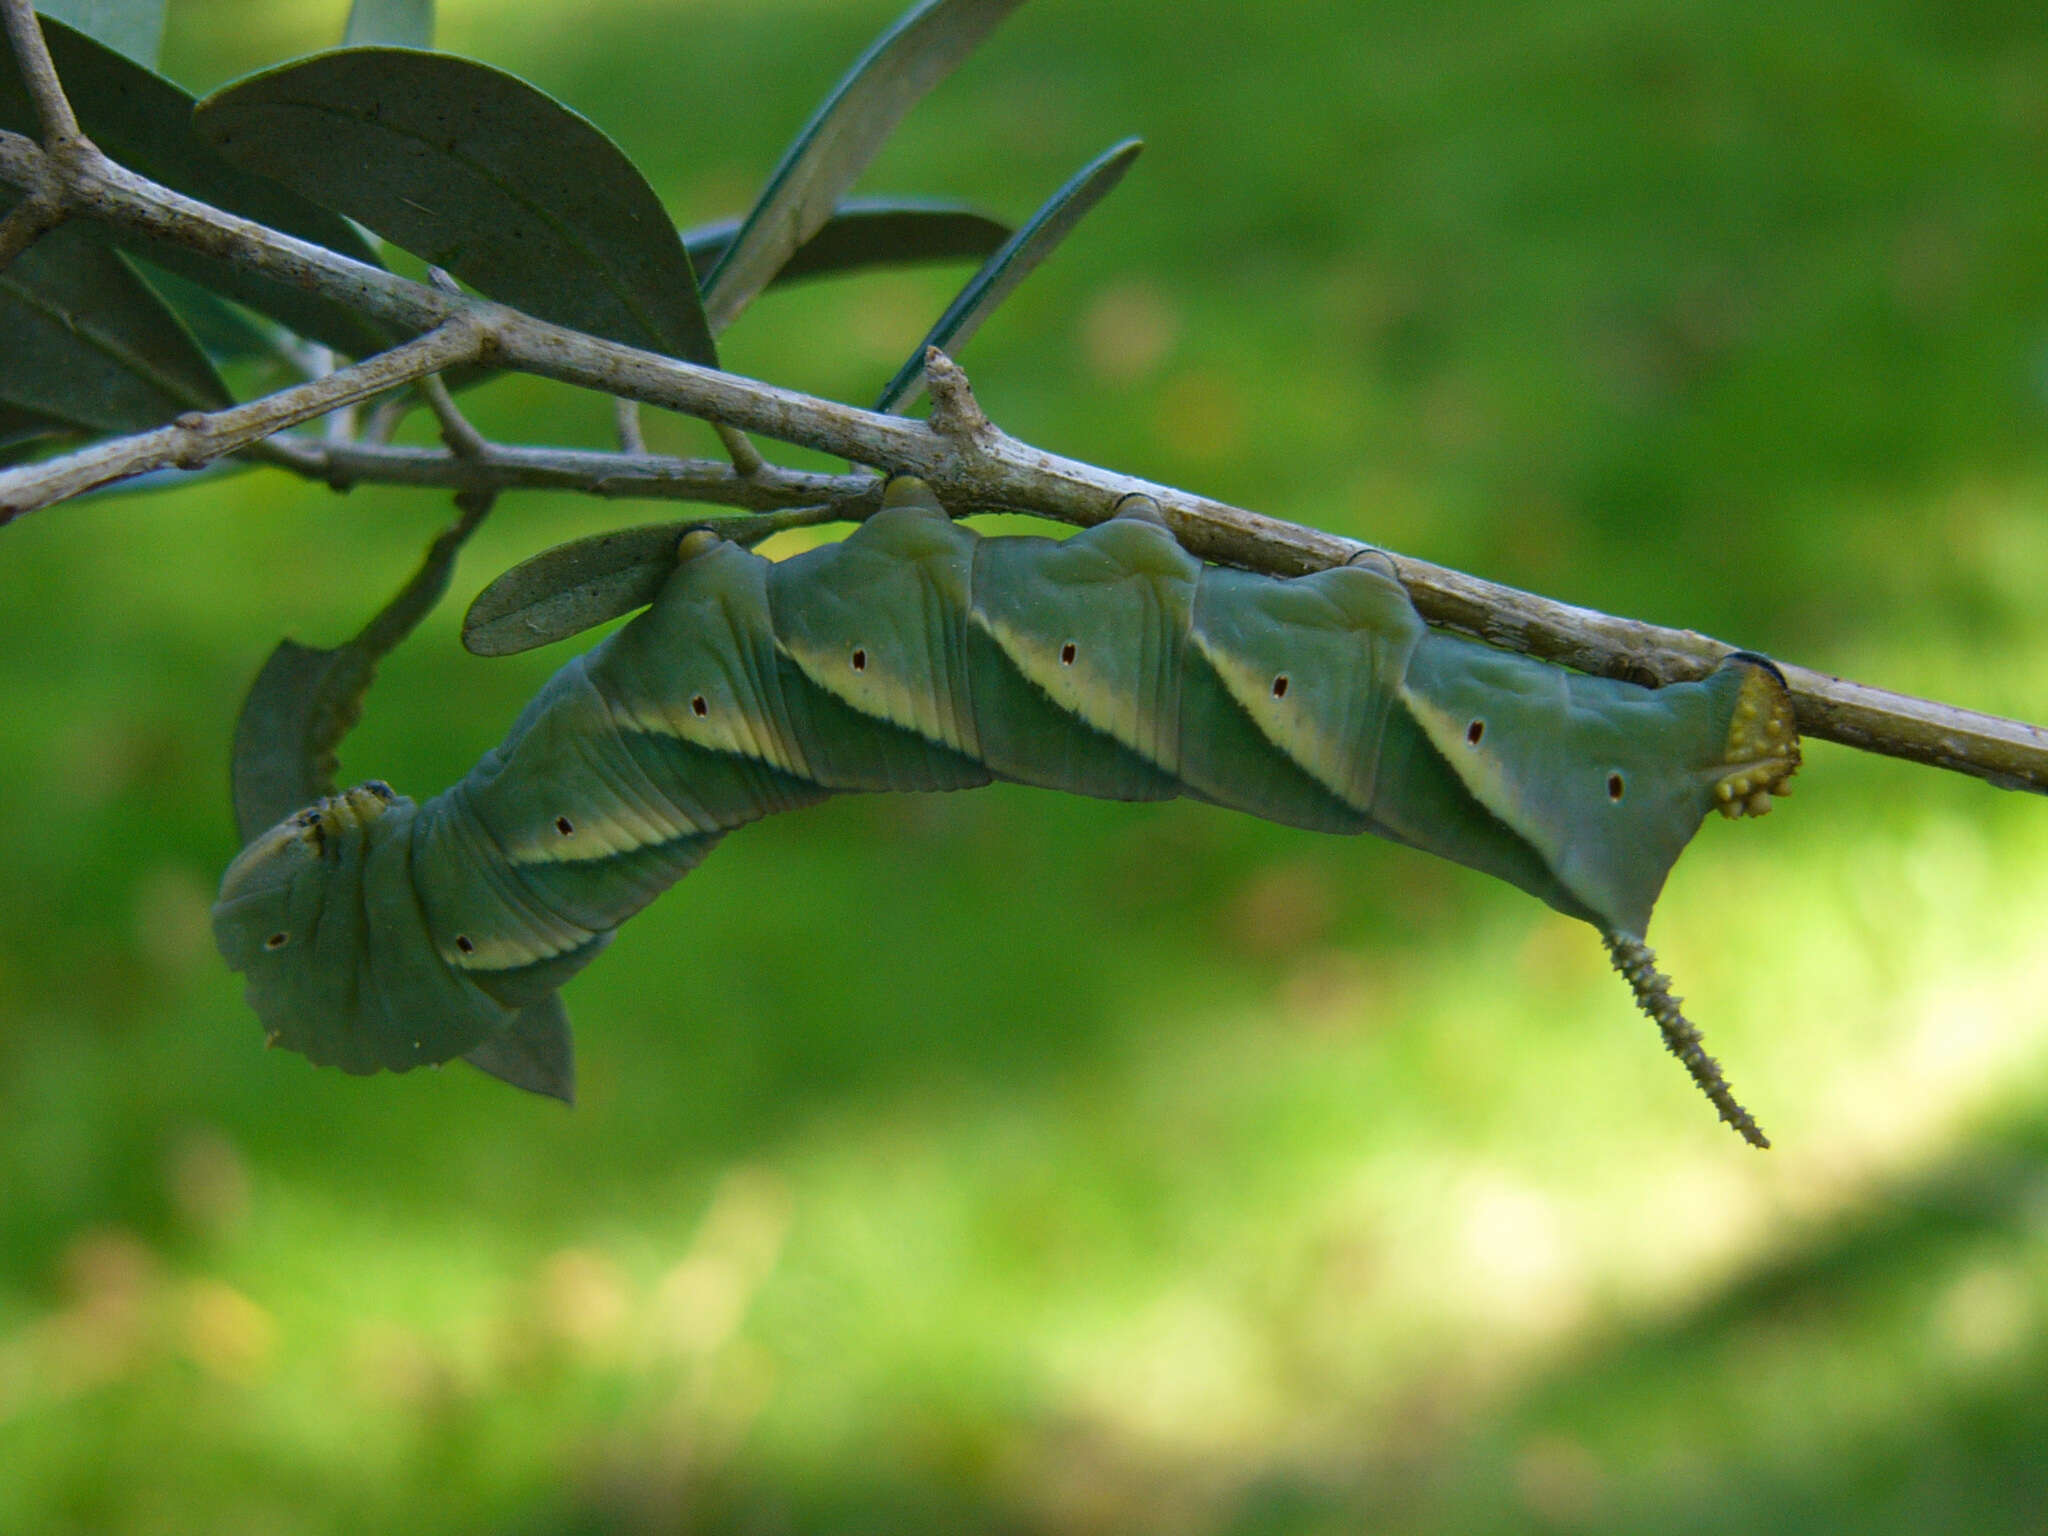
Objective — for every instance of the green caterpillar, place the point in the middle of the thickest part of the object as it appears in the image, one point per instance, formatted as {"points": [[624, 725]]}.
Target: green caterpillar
{"points": [[918, 655]]}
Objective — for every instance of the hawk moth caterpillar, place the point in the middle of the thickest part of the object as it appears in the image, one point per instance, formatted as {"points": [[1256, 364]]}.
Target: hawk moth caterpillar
{"points": [[916, 654]]}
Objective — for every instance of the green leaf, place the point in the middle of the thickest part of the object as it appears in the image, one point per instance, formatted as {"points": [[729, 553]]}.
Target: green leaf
{"points": [[131, 27], [1002, 272], [306, 699], [19, 426], [476, 171], [838, 142], [392, 23], [23, 434], [303, 702], [227, 332], [145, 122], [563, 591], [894, 232], [90, 345]]}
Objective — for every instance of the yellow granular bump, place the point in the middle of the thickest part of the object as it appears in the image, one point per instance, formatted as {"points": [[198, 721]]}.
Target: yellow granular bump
{"points": [[1762, 751]]}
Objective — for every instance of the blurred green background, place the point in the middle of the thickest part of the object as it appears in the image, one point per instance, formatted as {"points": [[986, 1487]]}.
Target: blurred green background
{"points": [[1016, 1163]]}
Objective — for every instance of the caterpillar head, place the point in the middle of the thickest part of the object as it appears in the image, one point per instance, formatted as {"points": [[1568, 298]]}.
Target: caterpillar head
{"points": [[272, 895], [296, 914]]}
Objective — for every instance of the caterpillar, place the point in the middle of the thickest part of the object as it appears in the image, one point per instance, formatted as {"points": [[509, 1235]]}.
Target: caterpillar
{"points": [[379, 933]]}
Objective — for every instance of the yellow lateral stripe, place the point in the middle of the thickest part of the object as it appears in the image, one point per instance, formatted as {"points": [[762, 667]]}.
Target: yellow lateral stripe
{"points": [[465, 939], [621, 812], [738, 715], [879, 628], [1483, 773], [1304, 742], [885, 693], [1141, 723]]}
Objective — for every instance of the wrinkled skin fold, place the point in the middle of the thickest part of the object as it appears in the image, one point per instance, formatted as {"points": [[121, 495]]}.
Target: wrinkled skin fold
{"points": [[376, 933]]}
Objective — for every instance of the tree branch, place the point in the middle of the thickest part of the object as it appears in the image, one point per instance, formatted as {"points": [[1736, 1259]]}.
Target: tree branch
{"points": [[626, 420], [39, 74], [463, 440], [746, 458], [969, 462], [41, 208], [955, 412], [197, 438], [26, 223], [505, 467]]}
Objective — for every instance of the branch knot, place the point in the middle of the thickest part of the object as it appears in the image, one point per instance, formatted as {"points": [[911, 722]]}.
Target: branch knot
{"points": [[955, 412]]}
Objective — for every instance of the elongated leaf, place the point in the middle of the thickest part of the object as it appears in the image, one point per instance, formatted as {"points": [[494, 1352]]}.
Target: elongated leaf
{"points": [[837, 144], [391, 23], [19, 426], [302, 703], [131, 27], [90, 345], [572, 587], [24, 434], [894, 232], [227, 332], [306, 699], [145, 122], [1020, 256], [477, 171], [563, 591]]}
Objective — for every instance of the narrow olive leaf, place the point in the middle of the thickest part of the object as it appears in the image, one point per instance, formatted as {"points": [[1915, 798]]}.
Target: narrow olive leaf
{"points": [[535, 1051], [303, 702], [575, 586], [88, 344], [1021, 254], [19, 426], [24, 434], [864, 232], [131, 27], [565, 590], [478, 172], [392, 23], [145, 122], [306, 699], [229, 333], [835, 146]]}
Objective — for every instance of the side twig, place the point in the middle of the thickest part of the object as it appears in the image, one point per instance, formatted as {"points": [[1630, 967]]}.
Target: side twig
{"points": [[26, 223], [39, 74], [197, 438], [41, 208], [746, 458], [506, 467], [626, 421], [463, 440]]}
